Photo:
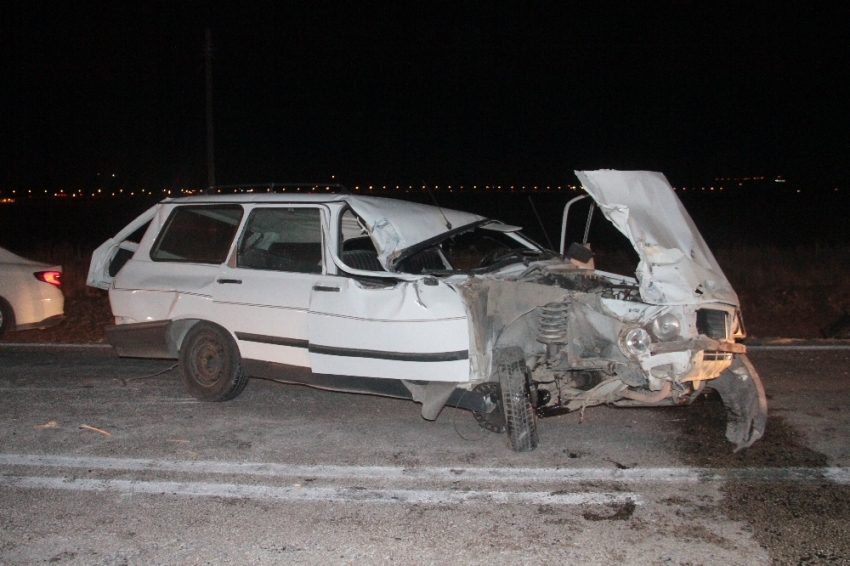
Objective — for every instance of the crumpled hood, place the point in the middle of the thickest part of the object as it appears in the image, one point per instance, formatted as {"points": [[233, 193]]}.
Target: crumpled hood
{"points": [[411, 223], [676, 267]]}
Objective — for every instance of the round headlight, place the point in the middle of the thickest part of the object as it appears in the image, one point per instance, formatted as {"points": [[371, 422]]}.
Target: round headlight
{"points": [[666, 327], [635, 342]]}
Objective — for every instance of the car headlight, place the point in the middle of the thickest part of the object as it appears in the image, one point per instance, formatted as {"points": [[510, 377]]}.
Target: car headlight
{"points": [[634, 342], [666, 327]]}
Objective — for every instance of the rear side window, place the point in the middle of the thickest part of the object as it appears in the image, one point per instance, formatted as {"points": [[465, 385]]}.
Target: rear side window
{"points": [[197, 234], [282, 239]]}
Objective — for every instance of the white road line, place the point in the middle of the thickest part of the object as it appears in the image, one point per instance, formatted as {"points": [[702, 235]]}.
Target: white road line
{"points": [[394, 473], [354, 495]]}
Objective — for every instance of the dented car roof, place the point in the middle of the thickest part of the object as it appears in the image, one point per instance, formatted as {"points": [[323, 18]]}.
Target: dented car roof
{"points": [[394, 225]]}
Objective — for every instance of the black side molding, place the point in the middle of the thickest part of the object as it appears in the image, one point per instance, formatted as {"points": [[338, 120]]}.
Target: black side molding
{"points": [[384, 355], [276, 340], [355, 352]]}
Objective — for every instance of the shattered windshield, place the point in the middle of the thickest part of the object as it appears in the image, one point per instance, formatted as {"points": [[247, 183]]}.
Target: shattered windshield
{"points": [[483, 247]]}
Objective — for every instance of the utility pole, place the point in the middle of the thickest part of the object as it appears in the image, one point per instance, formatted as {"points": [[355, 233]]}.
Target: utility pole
{"points": [[210, 141]]}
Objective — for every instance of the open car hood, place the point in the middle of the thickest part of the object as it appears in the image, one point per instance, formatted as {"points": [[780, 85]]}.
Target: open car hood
{"points": [[397, 225], [676, 267]]}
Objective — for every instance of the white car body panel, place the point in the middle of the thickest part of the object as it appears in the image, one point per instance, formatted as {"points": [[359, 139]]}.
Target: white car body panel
{"points": [[676, 266], [32, 301], [260, 306], [266, 304], [145, 290], [410, 320]]}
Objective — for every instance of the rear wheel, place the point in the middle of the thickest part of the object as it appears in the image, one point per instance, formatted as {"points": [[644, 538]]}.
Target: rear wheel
{"points": [[7, 317], [210, 364], [520, 420]]}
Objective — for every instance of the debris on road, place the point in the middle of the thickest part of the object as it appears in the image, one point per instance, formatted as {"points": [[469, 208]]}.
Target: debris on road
{"points": [[93, 429]]}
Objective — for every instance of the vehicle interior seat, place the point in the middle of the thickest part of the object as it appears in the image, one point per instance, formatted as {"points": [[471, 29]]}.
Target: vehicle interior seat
{"points": [[366, 260], [426, 260]]}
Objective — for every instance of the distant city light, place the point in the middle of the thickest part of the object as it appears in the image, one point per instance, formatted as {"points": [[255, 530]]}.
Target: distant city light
{"points": [[113, 189]]}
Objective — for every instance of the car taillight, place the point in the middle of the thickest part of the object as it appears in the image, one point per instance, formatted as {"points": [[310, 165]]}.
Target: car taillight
{"points": [[52, 277]]}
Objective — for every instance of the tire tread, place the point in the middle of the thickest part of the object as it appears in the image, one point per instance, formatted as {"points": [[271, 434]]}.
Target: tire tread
{"points": [[520, 419]]}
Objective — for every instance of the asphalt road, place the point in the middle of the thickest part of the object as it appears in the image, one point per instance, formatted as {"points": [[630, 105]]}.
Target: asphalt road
{"points": [[108, 461]]}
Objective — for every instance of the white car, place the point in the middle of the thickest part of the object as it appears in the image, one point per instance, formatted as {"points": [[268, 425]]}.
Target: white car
{"points": [[374, 295], [30, 293]]}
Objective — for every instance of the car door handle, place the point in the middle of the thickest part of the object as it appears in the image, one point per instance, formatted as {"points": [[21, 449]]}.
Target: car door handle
{"points": [[326, 289], [235, 281]]}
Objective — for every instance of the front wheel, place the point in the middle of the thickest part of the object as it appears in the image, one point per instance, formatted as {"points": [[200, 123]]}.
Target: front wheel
{"points": [[210, 364], [520, 420]]}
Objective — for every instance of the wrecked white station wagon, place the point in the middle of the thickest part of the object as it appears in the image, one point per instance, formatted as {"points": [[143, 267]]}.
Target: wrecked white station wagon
{"points": [[374, 295]]}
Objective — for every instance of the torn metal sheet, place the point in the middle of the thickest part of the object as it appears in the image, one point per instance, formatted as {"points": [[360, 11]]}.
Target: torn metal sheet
{"points": [[397, 225], [98, 275], [676, 266]]}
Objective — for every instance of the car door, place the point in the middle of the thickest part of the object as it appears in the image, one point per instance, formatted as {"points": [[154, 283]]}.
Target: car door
{"points": [[366, 322], [108, 259], [172, 274], [411, 330], [262, 293]]}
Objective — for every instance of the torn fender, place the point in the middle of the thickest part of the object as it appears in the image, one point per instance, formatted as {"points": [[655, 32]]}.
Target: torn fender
{"points": [[746, 405], [492, 306]]}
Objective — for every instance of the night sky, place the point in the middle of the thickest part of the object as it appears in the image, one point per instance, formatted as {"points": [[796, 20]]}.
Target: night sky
{"points": [[446, 92]]}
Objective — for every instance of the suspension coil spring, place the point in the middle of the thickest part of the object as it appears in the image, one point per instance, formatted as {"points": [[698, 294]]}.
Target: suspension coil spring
{"points": [[553, 323]]}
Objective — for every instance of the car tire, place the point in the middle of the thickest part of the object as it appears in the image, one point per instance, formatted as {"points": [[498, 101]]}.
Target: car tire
{"points": [[7, 317], [520, 420], [210, 364]]}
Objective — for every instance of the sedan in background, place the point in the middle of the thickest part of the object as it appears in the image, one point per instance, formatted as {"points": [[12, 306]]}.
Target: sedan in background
{"points": [[30, 293]]}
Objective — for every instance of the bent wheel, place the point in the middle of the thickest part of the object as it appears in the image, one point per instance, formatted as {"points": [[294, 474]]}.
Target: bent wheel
{"points": [[520, 420], [493, 421], [210, 364]]}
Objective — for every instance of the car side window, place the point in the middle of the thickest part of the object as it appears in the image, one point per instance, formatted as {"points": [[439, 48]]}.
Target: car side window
{"points": [[282, 239], [356, 247], [197, 234]]}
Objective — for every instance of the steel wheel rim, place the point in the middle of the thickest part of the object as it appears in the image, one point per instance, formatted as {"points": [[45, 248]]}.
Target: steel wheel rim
{"points": [[208, 362]]}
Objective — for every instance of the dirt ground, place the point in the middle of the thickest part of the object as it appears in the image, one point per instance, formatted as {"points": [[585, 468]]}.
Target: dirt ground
{"points": [[806, 312], [796, 312], [799, 523]]}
